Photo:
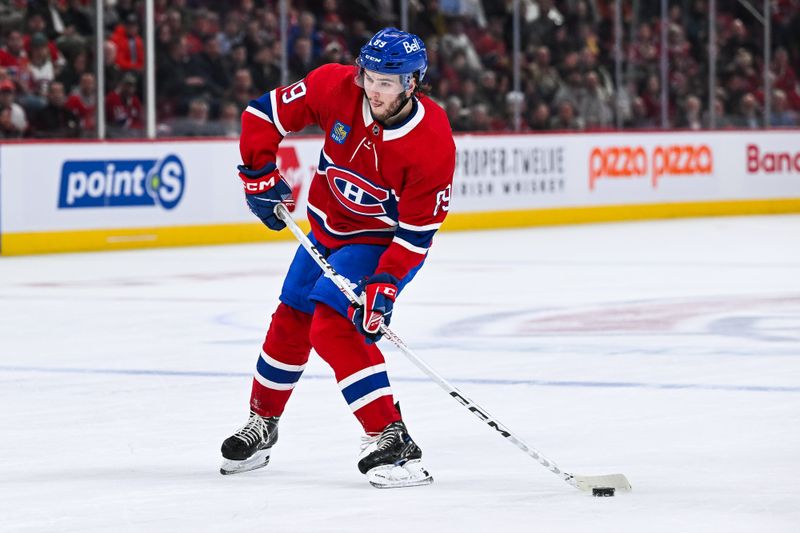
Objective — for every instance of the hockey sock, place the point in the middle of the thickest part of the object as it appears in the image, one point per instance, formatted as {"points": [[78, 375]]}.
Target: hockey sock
{"points": [[360, 369], [281, 362]]}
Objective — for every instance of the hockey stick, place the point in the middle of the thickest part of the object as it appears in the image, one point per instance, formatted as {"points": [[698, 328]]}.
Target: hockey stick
{"points": [[585, 483]]}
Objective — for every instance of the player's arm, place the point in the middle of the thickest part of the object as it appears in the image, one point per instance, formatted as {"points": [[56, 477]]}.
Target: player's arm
{"points": [[265, 122], [424, 203]]}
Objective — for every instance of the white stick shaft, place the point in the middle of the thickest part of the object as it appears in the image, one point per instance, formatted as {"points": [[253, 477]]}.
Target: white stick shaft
{"points": [[345, 286]]}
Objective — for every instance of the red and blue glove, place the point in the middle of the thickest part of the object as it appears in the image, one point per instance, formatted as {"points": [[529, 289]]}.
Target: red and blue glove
{"points": [[380, 292], [264, 189]]}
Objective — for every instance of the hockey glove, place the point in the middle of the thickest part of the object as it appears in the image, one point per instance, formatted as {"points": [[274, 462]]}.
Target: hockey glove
{"points": [[264, 189], [380, 292]]}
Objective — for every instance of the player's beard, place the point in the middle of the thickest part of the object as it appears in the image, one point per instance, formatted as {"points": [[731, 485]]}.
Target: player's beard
{"points": [[388, 110]]}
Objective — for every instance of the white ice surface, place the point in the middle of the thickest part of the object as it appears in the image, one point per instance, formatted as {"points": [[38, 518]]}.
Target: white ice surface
{"points": [[668, 351]]}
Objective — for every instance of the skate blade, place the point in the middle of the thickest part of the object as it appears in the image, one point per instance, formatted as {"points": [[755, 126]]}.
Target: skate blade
{"points": [[411, 474], [260, 459]]}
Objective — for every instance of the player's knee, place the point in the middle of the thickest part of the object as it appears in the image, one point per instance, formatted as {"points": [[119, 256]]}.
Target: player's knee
{"points": [[327, 327], [288, 335]]}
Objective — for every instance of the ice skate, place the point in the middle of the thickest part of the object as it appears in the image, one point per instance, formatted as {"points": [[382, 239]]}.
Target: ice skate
{"points": [[393, 460], [250, 447]]}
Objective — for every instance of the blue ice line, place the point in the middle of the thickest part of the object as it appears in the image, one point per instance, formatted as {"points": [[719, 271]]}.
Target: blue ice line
{"points": [[473, 381]]}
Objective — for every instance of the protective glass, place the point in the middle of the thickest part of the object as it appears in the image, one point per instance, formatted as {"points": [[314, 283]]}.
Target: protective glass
{"points": [[377, 82]]}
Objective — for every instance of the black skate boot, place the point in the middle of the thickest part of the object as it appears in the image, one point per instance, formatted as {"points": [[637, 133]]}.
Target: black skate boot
{"points": [[250, 447], [394, 460]]}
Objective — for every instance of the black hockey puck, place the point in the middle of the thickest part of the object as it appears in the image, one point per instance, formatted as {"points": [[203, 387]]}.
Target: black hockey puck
{"points": [[603, 492]]}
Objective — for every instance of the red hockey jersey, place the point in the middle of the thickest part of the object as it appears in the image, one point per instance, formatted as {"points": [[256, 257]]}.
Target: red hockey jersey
{"points": [[373, 184]]}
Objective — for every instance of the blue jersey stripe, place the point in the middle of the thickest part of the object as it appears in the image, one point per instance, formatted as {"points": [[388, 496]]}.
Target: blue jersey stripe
{"points": [[277, 375], [364, 386], [421, 239], [263, 104]]}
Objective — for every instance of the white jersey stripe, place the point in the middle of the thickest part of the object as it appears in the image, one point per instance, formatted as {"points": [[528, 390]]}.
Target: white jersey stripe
{"points": [[282, 366], [412, 227], [273, 101], [408, 246], [361, 374], [371, 397], [259, 114], [271, 384]]}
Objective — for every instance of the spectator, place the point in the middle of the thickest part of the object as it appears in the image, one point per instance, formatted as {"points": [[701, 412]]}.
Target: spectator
{"points": [[237, 60], [230, 125], [594, 105], [301, 62], [209, 66], [8, 130], [124, 109], [480, 119], [36, 25], [306, 27], [130, 48], [242, 89], [333, 53], [721, 121], [16, 114], [785, 77], [566, 118], [457, 40], [231, 34], [42, 72], [640, 116], [83, 103], [196, 123], [266, 71], [110, 67], [14, 55], [540, 118], [456, 114], [54, 120], [748, 115], [544, 76], [71, 74], [200, 31], [71, 43], [781, 116], [53, 14], [692, 113]]}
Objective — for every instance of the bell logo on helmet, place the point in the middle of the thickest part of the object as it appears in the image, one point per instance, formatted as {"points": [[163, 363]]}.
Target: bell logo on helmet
{"points": [[411, 47]]}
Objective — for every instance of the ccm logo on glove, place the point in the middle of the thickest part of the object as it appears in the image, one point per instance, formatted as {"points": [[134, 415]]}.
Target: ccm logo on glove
{"points": [[264, 189], [380, 292]]}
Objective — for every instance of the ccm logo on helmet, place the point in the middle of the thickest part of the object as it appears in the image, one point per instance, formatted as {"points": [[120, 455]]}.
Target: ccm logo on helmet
{"points": [[356, 193]]}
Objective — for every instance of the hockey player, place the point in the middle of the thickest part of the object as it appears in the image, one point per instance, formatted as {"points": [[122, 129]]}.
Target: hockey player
{"points": [[380, 192]]}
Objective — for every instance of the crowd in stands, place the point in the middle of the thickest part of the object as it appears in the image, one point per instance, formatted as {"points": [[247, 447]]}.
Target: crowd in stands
{"points": [[212, 57]]}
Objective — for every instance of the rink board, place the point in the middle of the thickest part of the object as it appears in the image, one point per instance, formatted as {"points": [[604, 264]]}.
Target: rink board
{"points": [[61, 197]]}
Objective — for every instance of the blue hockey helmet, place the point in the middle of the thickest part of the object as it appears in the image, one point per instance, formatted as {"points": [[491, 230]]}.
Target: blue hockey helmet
{"points": [[393, 51]]}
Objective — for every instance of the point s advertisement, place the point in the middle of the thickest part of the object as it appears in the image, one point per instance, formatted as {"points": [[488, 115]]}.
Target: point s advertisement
{"points": [[52, 187], [122, 183]]}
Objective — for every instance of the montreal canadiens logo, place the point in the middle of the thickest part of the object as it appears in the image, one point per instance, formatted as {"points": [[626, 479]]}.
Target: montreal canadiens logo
{"points": [[356, 193]]}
